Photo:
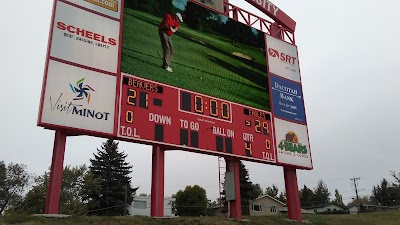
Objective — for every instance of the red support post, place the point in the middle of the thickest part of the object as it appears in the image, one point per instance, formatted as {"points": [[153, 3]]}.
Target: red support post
{"points": [[157, 182], [292, 195], [56, 172], [235, 206]]}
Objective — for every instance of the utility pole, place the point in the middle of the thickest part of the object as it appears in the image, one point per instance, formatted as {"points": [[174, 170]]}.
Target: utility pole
{"points": [[355, 179]]}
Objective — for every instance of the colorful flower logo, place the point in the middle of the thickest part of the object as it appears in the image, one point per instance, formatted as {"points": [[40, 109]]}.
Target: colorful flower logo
{"points": [[82, 90]]}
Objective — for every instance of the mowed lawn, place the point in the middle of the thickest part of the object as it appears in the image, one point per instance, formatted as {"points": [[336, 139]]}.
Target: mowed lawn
{"points": [[206, 63], [382, 218]]}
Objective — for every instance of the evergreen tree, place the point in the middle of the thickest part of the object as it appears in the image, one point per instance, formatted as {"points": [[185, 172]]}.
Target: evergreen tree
{"points": [[282, 197], [110, 167], [386, 194], [272, 191], [321, 193], [246, 187], [256, 191], [338, 198], [306, 197]]}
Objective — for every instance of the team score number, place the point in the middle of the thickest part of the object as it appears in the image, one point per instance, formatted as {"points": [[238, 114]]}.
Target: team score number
{"points": [[215, 109], [142, 98], [133, 99], [261, 127]]}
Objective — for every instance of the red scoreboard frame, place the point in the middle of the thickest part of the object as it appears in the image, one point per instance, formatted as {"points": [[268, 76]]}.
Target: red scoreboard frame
{"points": [[161, 114]]}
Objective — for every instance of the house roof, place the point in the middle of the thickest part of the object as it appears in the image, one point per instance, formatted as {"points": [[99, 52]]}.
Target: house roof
{"points": [[267, 196]]}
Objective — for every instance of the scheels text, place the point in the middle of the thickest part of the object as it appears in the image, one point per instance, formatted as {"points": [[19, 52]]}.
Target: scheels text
{"points": [[85, 33]]}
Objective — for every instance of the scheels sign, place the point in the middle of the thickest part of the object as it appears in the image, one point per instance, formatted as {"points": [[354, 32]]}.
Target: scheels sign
{"points": [[86, 33]]}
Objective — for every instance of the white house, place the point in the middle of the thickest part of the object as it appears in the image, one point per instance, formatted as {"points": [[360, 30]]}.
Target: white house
{"points": [[353, 209], [266, 205], [141, 206], [329, 207]]}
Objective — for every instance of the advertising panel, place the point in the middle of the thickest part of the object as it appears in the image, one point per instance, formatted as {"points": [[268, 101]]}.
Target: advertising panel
{"points": [[287, 99], [107, 7], [79, 98], [85, 38], [282, 59], [292, 144]]}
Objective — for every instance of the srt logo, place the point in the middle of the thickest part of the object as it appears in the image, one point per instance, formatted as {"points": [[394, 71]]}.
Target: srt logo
{"points": [[282, 56]]}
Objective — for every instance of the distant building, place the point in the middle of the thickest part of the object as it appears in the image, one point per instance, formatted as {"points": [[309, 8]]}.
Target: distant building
{"points": [[329, 207], [373, 208], [353, 209], [266, 206], [140, 206], [365, 208]]}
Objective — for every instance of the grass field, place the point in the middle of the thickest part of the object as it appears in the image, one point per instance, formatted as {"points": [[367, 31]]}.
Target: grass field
{"points": [[207, 63], [383, 218]]}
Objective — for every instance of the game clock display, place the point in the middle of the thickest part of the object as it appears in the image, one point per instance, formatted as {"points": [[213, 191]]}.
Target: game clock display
{"points": [[152, 112]]}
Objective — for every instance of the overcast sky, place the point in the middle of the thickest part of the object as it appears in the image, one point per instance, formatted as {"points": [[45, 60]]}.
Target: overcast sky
{"points": [[348, 53]]}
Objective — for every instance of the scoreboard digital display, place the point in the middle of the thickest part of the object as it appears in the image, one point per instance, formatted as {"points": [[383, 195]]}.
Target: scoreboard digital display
{"points": [[158, 113]]}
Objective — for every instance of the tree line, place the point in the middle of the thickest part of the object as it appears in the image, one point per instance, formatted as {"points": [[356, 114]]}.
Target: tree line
{"points": [[104, 188]]}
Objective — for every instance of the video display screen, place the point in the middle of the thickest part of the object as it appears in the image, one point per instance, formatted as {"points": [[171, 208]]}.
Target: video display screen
{"points": [[207, 53]]}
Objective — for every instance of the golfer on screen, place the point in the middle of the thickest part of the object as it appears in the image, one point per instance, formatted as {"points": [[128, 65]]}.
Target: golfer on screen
{"points": [[169, 25]]}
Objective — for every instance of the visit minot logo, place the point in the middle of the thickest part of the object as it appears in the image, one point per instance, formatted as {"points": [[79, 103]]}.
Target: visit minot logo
{"points": [[291, 144], [82, 90]]}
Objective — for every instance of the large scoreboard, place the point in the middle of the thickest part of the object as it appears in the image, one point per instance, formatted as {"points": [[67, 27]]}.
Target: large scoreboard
{"points": [[234, 91], [163, 114]]}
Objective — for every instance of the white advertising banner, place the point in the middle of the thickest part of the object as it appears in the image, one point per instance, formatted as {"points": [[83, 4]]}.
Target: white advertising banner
{"points": [[108, 7], [292, 144], [79, 98], [282, 59], [85, 38]]}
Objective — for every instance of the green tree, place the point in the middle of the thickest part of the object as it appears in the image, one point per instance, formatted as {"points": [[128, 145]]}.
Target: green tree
{"points": [[386, 194], [306, 197], [192, 201], [76, 181], [110, 167], [321, 193], [396, 177], [272, 191], [338, 198], [13, 181], [246, 187], [256, 191], [282, 197]]}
